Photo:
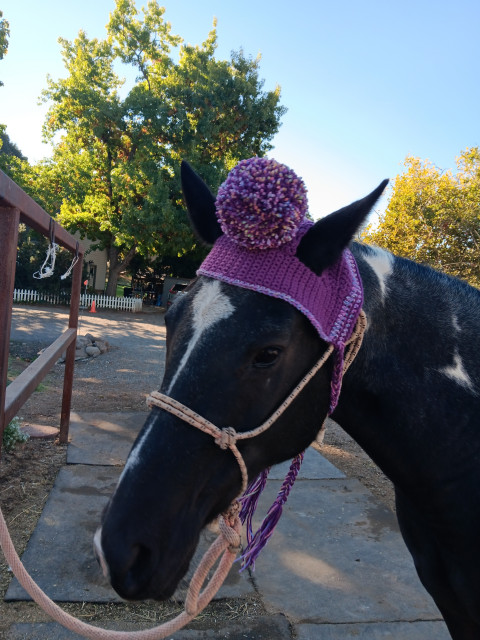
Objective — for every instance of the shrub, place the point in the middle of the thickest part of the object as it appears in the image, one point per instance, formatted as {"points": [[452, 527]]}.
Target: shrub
{"points": [[12, 435]]}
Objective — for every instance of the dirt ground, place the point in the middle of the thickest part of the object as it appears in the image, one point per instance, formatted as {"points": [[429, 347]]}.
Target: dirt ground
{"points": [[118, 380]]}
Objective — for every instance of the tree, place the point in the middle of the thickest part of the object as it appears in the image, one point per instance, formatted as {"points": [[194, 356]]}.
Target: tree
{"points": [[9, 148], [4, 34], [32, 245], [433, 217], [115, 170]]}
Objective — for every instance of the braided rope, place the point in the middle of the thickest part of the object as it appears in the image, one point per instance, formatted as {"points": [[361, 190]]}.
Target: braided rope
{"points": [[228, 437], [228, 543]]}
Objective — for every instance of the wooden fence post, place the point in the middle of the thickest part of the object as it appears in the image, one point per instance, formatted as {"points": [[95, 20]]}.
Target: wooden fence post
{"points": [[9, 220], [70, 355]]}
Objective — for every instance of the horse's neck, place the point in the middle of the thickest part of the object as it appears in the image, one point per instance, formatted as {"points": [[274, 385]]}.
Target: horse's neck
{"points": [[416, 363]]}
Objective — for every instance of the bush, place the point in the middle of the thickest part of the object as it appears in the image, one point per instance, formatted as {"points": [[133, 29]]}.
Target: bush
{"points": [[12, 435]]}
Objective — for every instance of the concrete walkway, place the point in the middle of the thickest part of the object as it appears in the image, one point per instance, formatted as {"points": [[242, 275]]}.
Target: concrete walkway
{"points": [[336, 567]]}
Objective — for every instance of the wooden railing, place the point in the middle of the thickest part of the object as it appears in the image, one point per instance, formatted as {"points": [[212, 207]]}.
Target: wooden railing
{"points": [[15, 207]]}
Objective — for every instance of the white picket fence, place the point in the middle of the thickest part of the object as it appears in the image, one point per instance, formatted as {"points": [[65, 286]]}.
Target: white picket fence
{"points": [[111, 302], [29, 295], [86, 299]]}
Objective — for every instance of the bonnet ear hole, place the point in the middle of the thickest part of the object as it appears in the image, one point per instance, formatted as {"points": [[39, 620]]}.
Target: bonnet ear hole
{"points": [[200, 204]]}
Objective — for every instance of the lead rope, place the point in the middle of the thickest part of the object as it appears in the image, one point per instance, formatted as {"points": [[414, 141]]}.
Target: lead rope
{"points": [[228, 542]]}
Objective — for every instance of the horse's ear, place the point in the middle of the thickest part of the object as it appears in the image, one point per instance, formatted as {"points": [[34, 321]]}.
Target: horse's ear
{"points": [[200, 204], [322, 245]]}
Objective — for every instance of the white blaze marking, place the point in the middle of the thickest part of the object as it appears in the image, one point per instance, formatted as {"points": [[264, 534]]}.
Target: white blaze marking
{"points": [[382, 264], [134, 456], [210, 306], [457, 372]]}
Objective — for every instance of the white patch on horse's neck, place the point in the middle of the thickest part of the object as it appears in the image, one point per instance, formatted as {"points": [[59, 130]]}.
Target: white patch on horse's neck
{"points": [[457, 372], [455, 323], [382, 264], [209, 306]]}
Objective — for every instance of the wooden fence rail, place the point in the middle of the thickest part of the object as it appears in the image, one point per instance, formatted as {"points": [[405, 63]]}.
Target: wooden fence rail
{"points": [[15, 207]]}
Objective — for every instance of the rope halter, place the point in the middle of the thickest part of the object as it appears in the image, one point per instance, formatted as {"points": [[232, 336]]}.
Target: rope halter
{"points": [[225, 547], [227, 438]]}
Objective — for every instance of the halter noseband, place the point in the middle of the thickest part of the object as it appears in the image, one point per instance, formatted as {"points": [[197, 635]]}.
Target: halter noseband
{"points": [[227, 438]]}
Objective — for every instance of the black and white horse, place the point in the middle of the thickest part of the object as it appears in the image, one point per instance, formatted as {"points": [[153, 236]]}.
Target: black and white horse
{"points": [[411, 399]]}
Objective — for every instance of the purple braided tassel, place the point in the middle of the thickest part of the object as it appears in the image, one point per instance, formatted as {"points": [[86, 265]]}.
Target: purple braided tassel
{"points": [[249, 501], [259, 540], [337, 376]]}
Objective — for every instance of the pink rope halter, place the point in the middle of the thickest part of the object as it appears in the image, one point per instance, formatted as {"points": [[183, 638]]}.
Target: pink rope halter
{"points": [[227, 438], [226, 545]]}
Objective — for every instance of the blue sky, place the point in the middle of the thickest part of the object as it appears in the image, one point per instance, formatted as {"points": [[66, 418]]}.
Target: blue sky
{"points": [[366, 83]]}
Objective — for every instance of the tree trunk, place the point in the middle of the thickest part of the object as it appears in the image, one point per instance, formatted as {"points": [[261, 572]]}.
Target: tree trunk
{"points": [[115, 268]]}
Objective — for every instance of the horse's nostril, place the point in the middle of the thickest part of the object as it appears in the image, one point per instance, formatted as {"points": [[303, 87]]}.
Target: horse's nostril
{"points": [[133, 578]]}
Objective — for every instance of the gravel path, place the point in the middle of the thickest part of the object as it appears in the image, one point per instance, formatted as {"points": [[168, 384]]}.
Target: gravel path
{"points": [[117, 380]]}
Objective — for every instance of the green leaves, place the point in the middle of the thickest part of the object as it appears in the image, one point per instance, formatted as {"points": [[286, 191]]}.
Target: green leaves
{"points": [[144, 44], [4, 35], [87, 99], [114, 175], [433, 217]]}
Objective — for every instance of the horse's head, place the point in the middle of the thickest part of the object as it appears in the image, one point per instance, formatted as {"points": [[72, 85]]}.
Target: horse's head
{"points": [[233, 355]]}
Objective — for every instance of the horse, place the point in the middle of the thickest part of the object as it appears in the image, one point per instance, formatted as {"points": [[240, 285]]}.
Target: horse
{"points": [[410, 399]]}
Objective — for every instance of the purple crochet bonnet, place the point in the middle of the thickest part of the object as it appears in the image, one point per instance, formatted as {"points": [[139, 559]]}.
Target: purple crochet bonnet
{"points": [[262, 208]]}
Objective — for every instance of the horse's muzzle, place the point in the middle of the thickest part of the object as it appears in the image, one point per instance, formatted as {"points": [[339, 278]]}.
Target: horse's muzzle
{"points": [[133, 570], [130, 575]]}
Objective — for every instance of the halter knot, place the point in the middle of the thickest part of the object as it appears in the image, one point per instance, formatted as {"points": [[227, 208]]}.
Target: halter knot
{"points": [[226, 438], [230, 529]]}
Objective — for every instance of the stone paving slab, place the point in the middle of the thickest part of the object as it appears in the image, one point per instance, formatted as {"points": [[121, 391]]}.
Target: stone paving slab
{"points": [[264, 628], [314, 467], [103, 438], [419, 630], [40, 631], [60, 557], [336, 566], [338, 557]]}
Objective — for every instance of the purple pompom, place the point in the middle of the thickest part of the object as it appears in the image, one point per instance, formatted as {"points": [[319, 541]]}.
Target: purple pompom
{"points": [[261, 204]]}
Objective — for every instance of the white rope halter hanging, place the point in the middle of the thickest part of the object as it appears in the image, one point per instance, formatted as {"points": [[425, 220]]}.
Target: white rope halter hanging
{"points": [[48, 267]]}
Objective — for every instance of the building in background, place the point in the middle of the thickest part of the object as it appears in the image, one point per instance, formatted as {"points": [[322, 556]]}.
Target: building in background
{"points": [[96, 262]]}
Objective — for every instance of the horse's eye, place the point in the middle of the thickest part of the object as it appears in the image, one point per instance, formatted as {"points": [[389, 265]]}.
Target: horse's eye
{"points": [[266, 357]]}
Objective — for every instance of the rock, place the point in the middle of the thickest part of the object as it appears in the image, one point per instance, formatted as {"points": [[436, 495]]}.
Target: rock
{"points": [[102, 345], [87, 346], [92, 351], [40, 431], [81, 353]]}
